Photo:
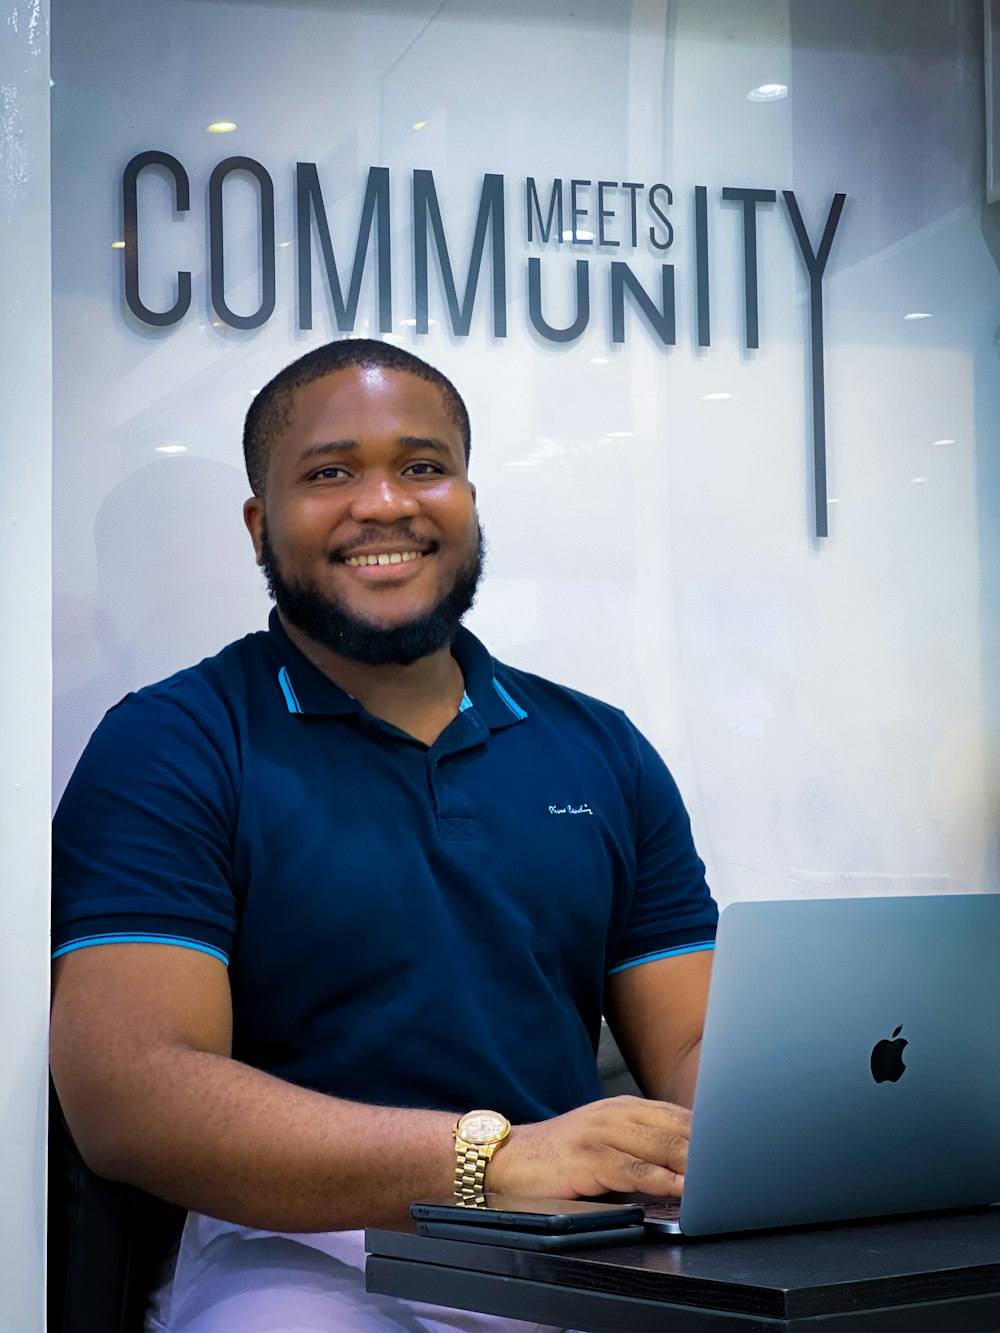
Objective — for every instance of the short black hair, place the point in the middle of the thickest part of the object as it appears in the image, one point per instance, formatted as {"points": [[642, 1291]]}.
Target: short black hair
{"points": [[270, 411]]}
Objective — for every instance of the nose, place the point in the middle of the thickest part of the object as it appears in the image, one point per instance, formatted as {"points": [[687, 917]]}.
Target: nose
{"points": [[381, 497]]}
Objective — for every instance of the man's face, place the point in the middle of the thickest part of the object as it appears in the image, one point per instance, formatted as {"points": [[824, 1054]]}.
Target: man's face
{"points": [[368, 531]]}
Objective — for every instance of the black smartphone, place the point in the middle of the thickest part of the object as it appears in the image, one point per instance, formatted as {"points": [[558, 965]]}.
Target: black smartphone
{"points": [[522, 1213], [532, 1240]]}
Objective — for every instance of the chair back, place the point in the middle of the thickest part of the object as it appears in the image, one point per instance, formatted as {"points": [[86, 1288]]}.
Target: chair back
{"points": [[106, 1242]]}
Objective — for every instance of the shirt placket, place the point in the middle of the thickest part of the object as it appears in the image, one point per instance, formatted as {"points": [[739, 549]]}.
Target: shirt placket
{"points": [[456, 817]]}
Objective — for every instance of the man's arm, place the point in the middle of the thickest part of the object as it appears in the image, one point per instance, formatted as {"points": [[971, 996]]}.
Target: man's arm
{"points": [[656, 1012], [141, 1042], [141, 1057]]}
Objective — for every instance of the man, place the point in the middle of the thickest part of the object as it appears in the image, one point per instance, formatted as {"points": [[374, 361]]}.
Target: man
{"points": [[323, 893]]}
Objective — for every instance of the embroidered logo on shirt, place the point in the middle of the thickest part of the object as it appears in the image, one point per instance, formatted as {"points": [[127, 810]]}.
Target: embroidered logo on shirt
{"points": [[570, 809]]}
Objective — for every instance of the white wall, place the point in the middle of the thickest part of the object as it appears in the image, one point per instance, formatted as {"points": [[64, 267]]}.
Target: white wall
{"points": [[25, 566], [828, 706]]}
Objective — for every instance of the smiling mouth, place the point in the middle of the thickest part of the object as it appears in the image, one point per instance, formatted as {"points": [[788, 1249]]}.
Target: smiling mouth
{"points": [[384, 558]]}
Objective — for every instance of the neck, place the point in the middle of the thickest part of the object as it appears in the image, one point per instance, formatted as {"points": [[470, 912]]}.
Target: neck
{"points": [[421, 698]]}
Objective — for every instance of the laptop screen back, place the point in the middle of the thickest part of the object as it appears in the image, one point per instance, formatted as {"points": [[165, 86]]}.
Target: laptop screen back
{"points": [[850, 1064]]}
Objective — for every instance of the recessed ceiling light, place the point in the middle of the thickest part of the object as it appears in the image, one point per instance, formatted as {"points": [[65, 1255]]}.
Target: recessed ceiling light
{"points": [[419, 124], [283, 245], [833, 500], [768, 92], [621, 434], [222, 127], [581, 235], [412, 323], [171, 449], [598, 360], [917, 314], [118, 245], [936, 444], [915, 480], [715, 397]]}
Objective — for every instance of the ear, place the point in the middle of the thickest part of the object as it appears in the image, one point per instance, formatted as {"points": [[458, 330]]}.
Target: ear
{"points": [[253, 517]]}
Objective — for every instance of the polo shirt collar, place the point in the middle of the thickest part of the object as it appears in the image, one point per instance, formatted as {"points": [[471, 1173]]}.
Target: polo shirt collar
{"points": [[306, 689], [494, 704]]}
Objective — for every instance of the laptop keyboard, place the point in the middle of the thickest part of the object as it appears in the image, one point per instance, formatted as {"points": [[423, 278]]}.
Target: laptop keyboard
{"points": [[663, 1210]]}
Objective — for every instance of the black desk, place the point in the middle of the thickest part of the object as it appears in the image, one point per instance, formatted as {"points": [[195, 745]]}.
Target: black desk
{"points": [[898, 1276]]}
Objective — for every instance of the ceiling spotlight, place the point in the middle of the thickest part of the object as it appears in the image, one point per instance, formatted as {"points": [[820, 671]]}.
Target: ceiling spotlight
{"points": [[768, 92], [598, 360], [118, 245], [715, 397], [917, 314], [419, 124], [171, 449], [915, 480], [222, 127], [937, 444], [578, 235]]}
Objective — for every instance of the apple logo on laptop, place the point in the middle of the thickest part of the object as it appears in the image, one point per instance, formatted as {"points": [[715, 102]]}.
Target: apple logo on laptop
{"points": [[887, 1058]]}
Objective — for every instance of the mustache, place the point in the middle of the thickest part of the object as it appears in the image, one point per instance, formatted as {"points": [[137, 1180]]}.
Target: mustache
{"points": [[399, 533]]}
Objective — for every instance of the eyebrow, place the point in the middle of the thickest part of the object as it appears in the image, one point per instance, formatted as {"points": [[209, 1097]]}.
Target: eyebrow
{"points": [[326, 448]]}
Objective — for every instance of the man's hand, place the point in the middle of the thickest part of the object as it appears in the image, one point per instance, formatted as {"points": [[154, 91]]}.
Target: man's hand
{"points": [[624, 1144]]}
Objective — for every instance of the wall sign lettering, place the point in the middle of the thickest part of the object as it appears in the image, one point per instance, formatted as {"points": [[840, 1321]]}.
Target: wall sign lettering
{"points": [[590, 215]]}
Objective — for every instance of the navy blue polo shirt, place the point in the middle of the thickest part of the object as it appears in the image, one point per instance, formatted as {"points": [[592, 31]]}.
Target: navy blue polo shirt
{"points": [[408, 925]]}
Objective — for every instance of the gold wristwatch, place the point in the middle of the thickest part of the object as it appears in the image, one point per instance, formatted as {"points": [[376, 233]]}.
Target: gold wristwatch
{"points": [[478, 1134]]}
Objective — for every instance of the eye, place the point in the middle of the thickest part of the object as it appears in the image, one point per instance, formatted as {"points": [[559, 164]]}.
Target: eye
{"points": [[423, 469], [332, 472]]}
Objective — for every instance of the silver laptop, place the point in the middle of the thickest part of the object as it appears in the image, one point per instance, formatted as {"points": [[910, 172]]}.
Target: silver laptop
{"points": [[850, 1065]]}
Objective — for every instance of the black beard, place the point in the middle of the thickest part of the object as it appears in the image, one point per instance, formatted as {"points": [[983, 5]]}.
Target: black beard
{"points": [[326, 620]]}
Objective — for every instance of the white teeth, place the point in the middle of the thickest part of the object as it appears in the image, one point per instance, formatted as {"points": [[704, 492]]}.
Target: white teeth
{"points": [[383, 558]]}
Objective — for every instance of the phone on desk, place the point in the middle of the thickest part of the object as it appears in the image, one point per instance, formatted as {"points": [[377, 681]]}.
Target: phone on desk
{"points": [[514, 1212], [529, 1223]]}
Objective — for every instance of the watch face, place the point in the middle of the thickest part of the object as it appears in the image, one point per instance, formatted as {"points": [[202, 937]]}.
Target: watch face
{"points": [[483, 1127]]}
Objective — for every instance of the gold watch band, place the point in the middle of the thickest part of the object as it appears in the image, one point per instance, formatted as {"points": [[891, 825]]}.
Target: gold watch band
{"points": [[470, 1173]]}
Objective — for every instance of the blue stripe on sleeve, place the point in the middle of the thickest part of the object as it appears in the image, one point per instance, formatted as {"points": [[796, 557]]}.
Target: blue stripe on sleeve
{"points": [[664, 953], [87, 941]]}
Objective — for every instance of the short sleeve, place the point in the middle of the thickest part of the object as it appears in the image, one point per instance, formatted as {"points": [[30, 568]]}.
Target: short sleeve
{"points": [[143, 837], [672, 909]]}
